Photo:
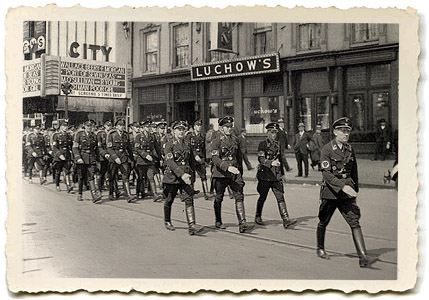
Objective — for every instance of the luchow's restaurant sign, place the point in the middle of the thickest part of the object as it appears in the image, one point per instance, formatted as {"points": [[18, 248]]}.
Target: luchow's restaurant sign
{"points": [[268, 63]]}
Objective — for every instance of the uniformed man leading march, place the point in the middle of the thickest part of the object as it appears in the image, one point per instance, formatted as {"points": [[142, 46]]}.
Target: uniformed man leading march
{"points": [[177, 177], [227, 171], [269, 175], [339, 190]]}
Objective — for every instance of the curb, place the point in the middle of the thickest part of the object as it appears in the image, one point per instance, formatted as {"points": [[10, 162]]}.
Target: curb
{"points": [[317, 182]]}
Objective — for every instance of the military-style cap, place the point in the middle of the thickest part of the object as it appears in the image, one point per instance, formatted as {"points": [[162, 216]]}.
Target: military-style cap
{"points": [[382, 121], [272, 126], [145, 123], [50, 129], [64, 123], [182, 124], [301, 125], [120, 122], [226, 121], [280, 120], [342, 123], [36, 126], [108, 123], [161, 123], [319, 126], [89, 123], [71, 127], [198, 122]]}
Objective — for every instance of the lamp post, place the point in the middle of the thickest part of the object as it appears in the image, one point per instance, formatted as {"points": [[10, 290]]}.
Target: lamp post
{"points": [[67, 89]]}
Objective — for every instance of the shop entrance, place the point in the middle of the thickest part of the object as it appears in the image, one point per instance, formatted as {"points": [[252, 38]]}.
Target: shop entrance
{"points": [[185, 111]]}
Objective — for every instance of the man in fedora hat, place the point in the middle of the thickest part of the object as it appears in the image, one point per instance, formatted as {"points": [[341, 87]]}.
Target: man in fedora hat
{"points": [[300, 147]]}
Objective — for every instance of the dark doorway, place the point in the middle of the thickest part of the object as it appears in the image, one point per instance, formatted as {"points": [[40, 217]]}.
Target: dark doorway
{"points": [[185, 111]]}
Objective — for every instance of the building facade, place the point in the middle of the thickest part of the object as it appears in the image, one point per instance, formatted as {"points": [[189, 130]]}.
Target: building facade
{"points": [[312, 73], [93, 57]]}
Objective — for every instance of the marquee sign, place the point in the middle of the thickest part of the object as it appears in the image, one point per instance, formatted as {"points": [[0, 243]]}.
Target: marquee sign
{"points": [[32, 78], [94, 78], [260, 64]]}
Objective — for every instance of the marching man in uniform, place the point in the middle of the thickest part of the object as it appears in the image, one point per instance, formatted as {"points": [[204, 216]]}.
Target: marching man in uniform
{"points": [[85, 152], [270, 172], [61, 142], [104, 154], [36, 153], [178, 177], [227, 171], [121, 154], [339, 190]]}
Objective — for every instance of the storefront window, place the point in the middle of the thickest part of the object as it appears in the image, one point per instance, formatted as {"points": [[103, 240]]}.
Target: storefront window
{"points": [[322, 110], [363, 32], [214, 114], [154, 112], [380, 107], [260, 111], [151, 51], [304, 108], [356, 111], [309, 36], [228, 108], [181, 45]]}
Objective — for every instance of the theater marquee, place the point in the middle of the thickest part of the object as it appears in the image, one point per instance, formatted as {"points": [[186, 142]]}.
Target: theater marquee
{"points": [[253, 65]]}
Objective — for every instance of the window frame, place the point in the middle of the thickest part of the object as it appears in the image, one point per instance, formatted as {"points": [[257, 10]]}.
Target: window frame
{"points": [[173, 62], [144, 32], [353, 42], [258, 31], [321, 38]]}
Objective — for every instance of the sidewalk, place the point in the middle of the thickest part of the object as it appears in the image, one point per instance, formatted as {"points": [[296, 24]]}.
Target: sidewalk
{"points": [[370, 172]]}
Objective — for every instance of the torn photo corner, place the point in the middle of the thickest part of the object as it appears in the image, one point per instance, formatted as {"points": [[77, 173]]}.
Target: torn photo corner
{"points": [[290, 124]]}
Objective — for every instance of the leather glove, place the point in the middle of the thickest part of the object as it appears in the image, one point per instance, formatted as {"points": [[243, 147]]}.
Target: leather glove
{"points": [[118, 161], [149, 158], [79, 161], [62, 157], [233, 170], [349, 191], [34, 154], [186, 178]]}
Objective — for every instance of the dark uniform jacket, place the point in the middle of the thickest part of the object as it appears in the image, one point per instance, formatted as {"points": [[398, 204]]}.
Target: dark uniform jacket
{"points": [[118, 146], [382, 135], [198, 146], [102, 145], [35, 143], [225, 152], [282, 139], [339, 168], [48, 144], [144, 145], [177, 161], [300, 145], [268, 151], [61, 143], [85, 147]]}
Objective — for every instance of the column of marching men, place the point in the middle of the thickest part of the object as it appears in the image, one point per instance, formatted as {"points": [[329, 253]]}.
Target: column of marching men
{"points": [[164, 161]]}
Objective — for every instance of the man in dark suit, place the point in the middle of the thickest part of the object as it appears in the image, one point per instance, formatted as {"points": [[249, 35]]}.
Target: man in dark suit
{"points": [[382, 138], [300, 147], [283, 142]]}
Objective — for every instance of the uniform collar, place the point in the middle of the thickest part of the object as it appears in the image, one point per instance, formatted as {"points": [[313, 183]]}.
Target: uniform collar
{"points": [[336, 146]]}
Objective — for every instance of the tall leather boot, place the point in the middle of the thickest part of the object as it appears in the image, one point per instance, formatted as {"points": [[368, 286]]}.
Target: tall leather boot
{"points": [[218, 214], [241, 216], [156, 196], [190, 216], [68, 183], [116, 187], [130, 198], [41, 177], [167, 217], [364, 259], [205, 189], [321, 243], [258, 215], [138, 189], [284, 215], [96, 196]]}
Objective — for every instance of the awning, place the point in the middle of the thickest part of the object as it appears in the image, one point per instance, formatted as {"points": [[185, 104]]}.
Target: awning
{"points": [[92, 104]]}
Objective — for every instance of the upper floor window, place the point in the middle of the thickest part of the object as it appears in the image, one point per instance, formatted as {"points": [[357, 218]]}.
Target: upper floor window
{"points": [[263, 38], [309, 35], [150, 51], [181, 41], [363, 32]]}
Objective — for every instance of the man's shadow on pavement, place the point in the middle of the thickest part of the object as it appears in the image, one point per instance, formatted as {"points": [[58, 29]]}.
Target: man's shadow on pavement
{"points": [[376, 253], [299, 221]]}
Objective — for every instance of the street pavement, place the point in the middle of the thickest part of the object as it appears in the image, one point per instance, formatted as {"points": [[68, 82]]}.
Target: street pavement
{"points": [[371, 172], [69, 239]]}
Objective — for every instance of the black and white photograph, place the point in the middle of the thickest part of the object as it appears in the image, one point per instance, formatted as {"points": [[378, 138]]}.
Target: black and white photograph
{"points": [[255, 148]]}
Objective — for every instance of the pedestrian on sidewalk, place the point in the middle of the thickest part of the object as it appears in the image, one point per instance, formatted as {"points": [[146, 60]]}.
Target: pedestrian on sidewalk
{"points": [[339, 190], [284, 144], [227, 172], [315, 146], [243, 146], [382, 138], [300, 147], [270, 173], [178, 177]]}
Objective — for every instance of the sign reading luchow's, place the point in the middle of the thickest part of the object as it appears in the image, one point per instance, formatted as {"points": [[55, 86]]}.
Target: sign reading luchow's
{"points": [[268, 63], [32, 78], [94, 78]]}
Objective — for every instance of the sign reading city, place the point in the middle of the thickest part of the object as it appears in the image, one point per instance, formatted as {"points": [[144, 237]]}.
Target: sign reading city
{"points": [[94, 78], [32, 78], [260, 64]]}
